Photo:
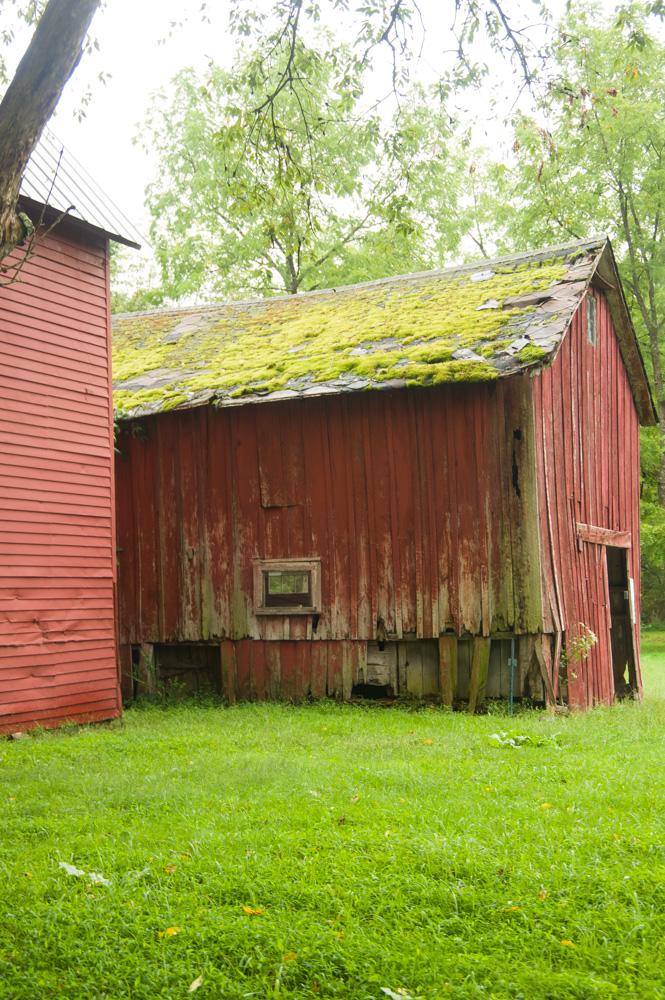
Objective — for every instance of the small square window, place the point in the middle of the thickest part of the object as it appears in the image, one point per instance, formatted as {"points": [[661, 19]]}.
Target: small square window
{"points": [[591, 319], [284, 590], [287, 586]]}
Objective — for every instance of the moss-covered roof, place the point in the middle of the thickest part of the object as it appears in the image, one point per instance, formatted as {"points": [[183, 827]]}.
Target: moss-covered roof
{"points": [[466, 324]]}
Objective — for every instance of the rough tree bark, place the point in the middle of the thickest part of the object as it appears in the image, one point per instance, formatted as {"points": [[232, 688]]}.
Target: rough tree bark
{"points": [[49, 61]]}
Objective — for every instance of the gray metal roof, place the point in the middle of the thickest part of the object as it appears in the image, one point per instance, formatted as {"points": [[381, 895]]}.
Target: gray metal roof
{"points": [[54, 178], [472, 323]]}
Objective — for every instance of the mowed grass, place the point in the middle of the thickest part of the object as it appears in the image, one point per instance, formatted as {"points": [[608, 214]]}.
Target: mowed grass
{"points": [[329, 851]]}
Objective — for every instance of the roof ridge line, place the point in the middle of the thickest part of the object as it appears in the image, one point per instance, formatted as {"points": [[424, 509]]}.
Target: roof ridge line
{"points": [[543, 252]]}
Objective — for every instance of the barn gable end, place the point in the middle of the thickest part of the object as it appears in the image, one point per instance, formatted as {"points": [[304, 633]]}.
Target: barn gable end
{"points": [[587, 430]]}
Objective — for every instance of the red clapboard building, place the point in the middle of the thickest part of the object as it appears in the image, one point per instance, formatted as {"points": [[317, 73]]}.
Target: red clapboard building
{"points": [[425, 486], [57, 548]]}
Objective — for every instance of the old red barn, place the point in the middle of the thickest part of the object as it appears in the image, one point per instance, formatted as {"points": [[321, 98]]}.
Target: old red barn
{"points": [[388, 488], [57, 553]]}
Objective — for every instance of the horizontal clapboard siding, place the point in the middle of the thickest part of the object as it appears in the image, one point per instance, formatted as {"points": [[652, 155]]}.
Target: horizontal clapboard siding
{"points": [[57, 551]]}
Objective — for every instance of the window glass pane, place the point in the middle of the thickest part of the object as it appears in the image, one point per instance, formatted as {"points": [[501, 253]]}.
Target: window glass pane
{"points": [[286, 589]]}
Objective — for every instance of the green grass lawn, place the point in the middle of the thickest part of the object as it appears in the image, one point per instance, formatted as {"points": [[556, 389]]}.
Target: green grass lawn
{"points": [[269, 851]]}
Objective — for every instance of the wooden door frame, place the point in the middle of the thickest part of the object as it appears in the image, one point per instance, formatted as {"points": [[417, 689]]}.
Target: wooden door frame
{"points": [[604, 537]]}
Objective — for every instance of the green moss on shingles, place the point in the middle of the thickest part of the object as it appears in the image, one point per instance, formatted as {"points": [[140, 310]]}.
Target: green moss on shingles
{"points": [[409, 330], [448, 372], [171, 401], [531, 353]]}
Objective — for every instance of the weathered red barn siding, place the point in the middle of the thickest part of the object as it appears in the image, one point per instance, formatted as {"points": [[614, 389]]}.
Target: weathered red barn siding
{"points": [[57, 560], [421, 504], [587, 433]]}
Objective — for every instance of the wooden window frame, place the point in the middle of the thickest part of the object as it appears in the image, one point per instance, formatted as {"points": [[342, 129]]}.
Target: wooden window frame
{"points": [[311, 566]]}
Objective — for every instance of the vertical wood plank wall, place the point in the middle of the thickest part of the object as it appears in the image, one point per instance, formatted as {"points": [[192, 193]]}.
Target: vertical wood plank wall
{"points": [[421, 503], [587, 433], [57, 550]]}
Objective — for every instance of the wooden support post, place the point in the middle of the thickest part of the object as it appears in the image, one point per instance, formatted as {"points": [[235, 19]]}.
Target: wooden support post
{"points": [[228, 656], [525, 685], [403, 687], [479, 666], [349, 674], [543, 654], [146, 680], [556, 666], [447, 668]]}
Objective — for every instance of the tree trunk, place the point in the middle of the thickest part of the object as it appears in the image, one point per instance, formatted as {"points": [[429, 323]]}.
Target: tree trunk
{"points": [[654, 351], [51, 58]]}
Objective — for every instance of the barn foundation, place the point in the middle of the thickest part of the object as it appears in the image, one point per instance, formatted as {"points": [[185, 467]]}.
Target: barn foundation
{"points": [[456, 671]]}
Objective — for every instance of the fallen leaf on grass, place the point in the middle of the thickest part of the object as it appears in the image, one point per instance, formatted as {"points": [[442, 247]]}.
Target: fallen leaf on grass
{"points": [[569, 943], [354, 798], [398, 994], [169, 932], [169, 869], [545, 805], [516, 740], [195, 985], [342, 818], [542, 894], [510, 909], [95, 877], [339, 935], [98, 879], [255, 913], [290, 956], [428, 741], [70, 869], [28, 874]]}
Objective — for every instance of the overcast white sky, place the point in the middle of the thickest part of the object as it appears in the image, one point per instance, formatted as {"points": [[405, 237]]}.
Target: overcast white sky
{"points": [[135, 48]]}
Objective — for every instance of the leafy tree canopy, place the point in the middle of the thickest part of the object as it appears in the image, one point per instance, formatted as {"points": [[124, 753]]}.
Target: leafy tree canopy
{"points": [[318, 197], [590, 158]]}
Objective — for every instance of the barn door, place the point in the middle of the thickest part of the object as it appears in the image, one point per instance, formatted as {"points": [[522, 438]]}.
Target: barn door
{"points": [[622, 620]]}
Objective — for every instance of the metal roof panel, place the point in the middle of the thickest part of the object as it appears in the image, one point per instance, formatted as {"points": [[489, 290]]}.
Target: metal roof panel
{"points": [[55, 178]]}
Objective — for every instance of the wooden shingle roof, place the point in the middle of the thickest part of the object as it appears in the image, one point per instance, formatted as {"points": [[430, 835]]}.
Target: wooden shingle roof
{"points": [[473, 323]]}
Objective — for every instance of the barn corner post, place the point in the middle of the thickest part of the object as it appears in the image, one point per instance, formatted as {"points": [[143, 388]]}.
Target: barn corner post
{"points": [[112, 445]]}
